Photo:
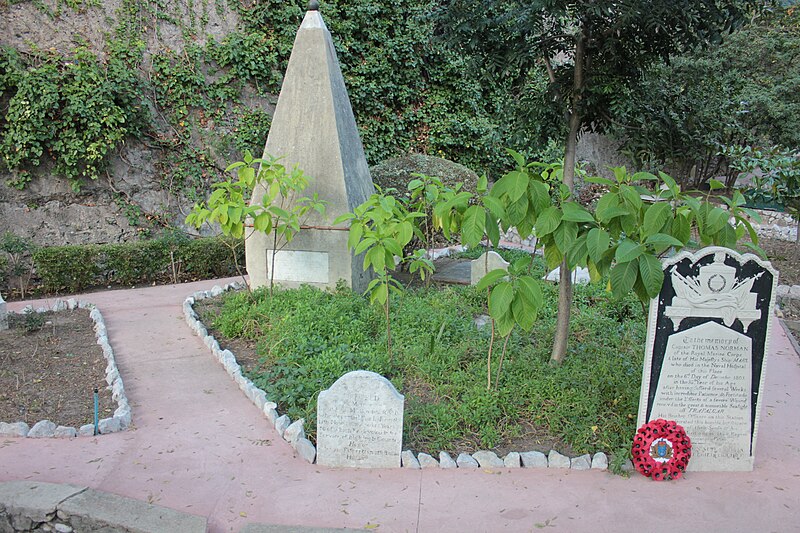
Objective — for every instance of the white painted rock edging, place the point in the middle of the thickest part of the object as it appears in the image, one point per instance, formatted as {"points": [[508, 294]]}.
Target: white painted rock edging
{"points": [[122, 415], [294, 434]]}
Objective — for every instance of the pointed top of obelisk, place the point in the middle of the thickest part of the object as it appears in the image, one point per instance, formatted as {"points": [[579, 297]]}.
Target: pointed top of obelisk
{"points": [[313, 5]]}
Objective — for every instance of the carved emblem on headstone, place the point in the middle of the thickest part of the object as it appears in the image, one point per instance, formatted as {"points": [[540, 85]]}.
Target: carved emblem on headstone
{"points": [[706, 352]]}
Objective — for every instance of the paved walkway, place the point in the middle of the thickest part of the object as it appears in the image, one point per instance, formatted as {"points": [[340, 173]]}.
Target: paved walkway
{"points": [[199, 446]]}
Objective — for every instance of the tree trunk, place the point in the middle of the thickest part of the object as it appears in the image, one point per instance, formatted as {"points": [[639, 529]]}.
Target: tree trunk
{"points": [[565, 278]]}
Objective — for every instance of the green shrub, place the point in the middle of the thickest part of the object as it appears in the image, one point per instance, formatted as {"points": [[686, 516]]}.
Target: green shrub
{"points": [[69, 269], [76, 268]]}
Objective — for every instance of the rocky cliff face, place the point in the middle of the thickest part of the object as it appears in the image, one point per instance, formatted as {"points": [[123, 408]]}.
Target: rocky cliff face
{"points": [[132, 197]]}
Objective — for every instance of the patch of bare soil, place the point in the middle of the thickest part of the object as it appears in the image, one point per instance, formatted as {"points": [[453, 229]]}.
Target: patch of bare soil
{"points": [[785, 257], [50, 372]]}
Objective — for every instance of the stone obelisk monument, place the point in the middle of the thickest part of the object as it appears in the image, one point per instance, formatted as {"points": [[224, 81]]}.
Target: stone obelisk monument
{"points": [[314, 128]]}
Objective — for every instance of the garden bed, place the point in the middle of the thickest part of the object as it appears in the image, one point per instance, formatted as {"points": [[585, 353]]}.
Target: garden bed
{"points": [[49, 366], [300, 341]]}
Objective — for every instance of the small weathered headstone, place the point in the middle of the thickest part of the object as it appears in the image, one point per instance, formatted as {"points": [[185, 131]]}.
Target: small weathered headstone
{"points": [[487, 262], [706, 351], [360, 422], [3, 314]]}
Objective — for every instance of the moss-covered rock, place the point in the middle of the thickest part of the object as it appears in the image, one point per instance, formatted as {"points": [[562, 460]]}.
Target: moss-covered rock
{"points": [[397, 172]]}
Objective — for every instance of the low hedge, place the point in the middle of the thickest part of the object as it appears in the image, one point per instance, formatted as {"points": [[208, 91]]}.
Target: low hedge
{"points": [[77, 268]]}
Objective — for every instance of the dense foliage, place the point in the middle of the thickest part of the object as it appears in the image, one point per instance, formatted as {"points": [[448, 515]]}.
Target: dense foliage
{"points": [[75, 109], [589, 403], [691, 112], [409, 92]]}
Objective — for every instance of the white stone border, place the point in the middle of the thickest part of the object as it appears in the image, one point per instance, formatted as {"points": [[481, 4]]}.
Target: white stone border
{"points": [[294, 433], [122, 415]]}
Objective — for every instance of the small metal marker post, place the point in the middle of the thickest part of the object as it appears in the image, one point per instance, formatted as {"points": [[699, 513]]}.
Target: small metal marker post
{"points": [[96, 409]]}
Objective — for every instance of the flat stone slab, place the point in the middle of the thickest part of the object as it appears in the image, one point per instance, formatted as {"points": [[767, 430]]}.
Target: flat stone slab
{"points": [[92, 508], [34, 499], [533, 459], [557, 460], [488, 459]]}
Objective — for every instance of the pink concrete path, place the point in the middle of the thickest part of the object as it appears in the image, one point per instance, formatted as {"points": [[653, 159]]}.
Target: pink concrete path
{"points": [[198, 446]]}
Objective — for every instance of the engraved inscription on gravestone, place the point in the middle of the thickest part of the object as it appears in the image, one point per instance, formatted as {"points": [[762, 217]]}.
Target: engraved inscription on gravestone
{"points": [[360, 422], [706, 353]]}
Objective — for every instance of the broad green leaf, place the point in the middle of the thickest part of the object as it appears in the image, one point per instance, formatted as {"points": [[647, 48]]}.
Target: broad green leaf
{"points": [[682, 229], [574, 212], [539, 194], [494, 206], [602, 181], [628, 251], [504, 324], [644, 176], [473, 225], [491, 278], [520, 160], [492, 229], [623, 276], [524, 314], [404, 233], [662, 240], [609, 206], [577, 253], [715, 184], [376, 257], [364, 244], [392, 246], [531, 289], [631, 196], [515, 184], [652, 274], [414, 184], [517, 210], [500, 299], [565, 235], [716, 220], [655, 217], [548, 221], [343, 218], [597, 241], [552, 256], [262, 222]]}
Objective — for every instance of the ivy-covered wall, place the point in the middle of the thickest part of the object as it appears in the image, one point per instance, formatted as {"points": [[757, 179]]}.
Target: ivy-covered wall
{"points": [[140, 115]]}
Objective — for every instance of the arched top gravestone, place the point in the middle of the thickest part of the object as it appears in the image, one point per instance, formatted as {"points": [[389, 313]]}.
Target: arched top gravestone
{"points": [[360, 422], [314, 129], [707, 345]]}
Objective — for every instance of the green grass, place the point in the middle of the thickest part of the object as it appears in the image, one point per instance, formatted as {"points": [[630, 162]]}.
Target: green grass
{"points": [[307, 338]]}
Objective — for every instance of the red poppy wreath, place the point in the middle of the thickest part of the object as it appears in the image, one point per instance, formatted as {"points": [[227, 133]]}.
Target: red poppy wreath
{"points": [[661, 450]]}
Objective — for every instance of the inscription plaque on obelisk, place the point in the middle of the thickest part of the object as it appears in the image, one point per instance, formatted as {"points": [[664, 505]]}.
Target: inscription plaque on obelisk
{"points": [[707, 343]]}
